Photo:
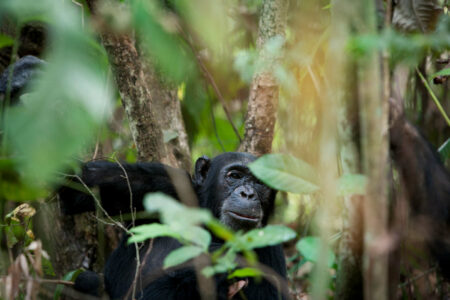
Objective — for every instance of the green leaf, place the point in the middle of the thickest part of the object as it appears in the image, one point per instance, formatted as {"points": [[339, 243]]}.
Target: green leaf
{"points": [[145, 232], [443, 72], [286, 173], [5, 41], [223, 264], [444, 150], [181, 255], [267, 236], [220, 230], [245, 272], [163, 46], [71, 276], [173, 213], [309, 247], [350, 184], [11, 239]]}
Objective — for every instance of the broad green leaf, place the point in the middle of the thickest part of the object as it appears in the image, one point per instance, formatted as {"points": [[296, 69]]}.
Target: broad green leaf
{"points": [[444, 150], [5, 41], [181, 255], [196, 235], [223, 264], [309, 247], [71, 276], [145, 232], [350, 184], [64, 108], [443, 72], [11, 239], [163, 46], [286, 173], [174, 213], [245, 272], [267, 236], [220, 230]]}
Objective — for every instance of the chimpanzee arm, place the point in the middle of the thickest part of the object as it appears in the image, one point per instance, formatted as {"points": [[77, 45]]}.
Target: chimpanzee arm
{"points": [[117, 185], [427, 184]]}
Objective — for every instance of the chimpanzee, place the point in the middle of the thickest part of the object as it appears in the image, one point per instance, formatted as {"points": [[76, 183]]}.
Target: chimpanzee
{"points": [[24, 70], [426, 181], [224, 185]]}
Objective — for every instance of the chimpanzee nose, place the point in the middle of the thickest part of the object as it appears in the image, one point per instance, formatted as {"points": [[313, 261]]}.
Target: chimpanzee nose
{"points": [[246, 192]]}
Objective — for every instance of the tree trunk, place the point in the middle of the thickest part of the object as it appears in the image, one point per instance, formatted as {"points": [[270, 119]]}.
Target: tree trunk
{"points": [[374, 120], [132, 85], [343, 82], [263, 100], [151, 105]]}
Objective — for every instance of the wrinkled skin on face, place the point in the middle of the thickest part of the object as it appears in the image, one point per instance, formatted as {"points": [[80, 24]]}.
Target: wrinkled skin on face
{"points": [[232, 193]]}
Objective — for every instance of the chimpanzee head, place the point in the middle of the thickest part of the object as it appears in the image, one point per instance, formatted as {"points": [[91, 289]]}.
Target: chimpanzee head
{"points": [[226, 186]]}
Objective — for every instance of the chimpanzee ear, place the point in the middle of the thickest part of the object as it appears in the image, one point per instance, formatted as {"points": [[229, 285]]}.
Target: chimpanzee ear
{"points": [[201, 169]]}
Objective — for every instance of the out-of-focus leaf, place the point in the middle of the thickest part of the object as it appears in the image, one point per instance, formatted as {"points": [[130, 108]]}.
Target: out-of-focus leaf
{"points": [[416, 15], [444, 150], [145, 232], [267, 236], [166, 49], [350, 184], [208, 19], [5, 41], [173, 213], [12, 186], [309, 247], [443, 72], [223, 264], [21, 212], [68, 100], [71, 276], [11, 239], [245, 272], [181, 255], [285, 172], [220, 230]]}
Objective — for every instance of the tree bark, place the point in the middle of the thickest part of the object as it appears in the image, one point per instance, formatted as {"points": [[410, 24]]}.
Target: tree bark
{"points": [[343, 82], [165, 101], [151, 105], [133, 89], [263, 100], [375, 145]]}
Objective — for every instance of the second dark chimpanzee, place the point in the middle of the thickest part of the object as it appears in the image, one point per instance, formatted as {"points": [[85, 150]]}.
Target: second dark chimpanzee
{"points": [[224, 185]]}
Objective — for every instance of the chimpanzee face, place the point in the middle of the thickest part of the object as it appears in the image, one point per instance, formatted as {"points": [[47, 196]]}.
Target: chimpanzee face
{"points": [[232, 193]]}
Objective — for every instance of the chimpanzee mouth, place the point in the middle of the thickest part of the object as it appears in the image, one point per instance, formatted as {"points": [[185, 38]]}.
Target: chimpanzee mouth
{"points": [[242, 217]]}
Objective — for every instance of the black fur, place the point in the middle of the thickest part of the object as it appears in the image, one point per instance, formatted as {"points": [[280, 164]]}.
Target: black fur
{"points": [[427, 185], [24, 70]]}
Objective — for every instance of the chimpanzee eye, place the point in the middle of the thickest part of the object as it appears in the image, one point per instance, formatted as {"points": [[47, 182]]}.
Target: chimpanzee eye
{"points": [[234, 175]]}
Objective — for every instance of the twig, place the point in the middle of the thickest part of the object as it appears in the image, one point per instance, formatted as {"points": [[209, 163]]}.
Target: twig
{"points": [[97, 201], [139, 271], [411, 280], [433, 96], [133, 216]]}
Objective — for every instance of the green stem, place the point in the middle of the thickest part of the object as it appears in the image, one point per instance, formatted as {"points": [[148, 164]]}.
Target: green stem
{"points": [[433, 96]]}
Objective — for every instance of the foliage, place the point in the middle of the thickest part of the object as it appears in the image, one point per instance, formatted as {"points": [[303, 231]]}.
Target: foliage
{"points": [[184, 224]]}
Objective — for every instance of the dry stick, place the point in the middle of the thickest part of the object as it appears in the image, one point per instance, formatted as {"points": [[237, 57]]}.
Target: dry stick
{"points": [[211, 81], [139, 268], [133, 217]]}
